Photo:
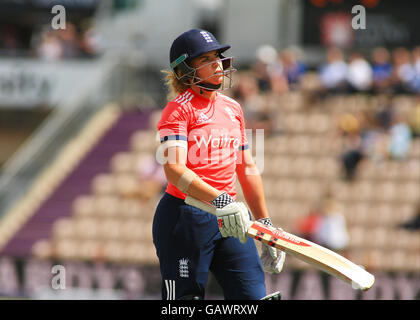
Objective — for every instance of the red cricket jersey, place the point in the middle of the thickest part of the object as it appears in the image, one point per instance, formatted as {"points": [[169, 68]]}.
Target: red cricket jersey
{"points": [[215, 132]]}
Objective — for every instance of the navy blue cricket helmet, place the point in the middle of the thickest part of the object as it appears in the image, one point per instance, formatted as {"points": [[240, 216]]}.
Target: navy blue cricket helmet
{"points": [[191, 44]]}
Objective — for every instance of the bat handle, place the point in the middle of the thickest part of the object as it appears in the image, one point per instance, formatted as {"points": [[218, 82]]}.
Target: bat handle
{"points": [[207, 207], [200, 205]]}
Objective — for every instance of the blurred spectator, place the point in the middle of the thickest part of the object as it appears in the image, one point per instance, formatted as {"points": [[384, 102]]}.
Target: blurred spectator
{"points": [[382, 70], [69, 42], [414, 223], [293, 68], [325, 224], [275, 80], [333, 232], [9, 40], [266, 58], [400, 138], [359, 73], [308, 227], [350, 127], [374, 142], [383, 117], [90, 43], [253, 103], [352, 155], [50, 47], [415, 81], [403, 70], [414, 119], [334, 73], [66, 43]]}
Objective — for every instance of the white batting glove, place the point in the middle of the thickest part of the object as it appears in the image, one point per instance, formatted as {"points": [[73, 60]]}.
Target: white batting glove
{"points": [[271, 258], [232, 217]]}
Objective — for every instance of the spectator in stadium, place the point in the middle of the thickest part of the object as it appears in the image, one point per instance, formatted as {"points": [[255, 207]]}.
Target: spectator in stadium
{"points": [[415, 80], [264, 65], [332, 232], [414, 119], [359, 73], [403, 70], [352, 155], [413, 224], [293, 67], [91, 44], [325, 224], [382, 70], [9, 40], [50, 47], [69, 40], [374, 140], [384, 114], [308, 226], [400, 138], [333, 73], [253, 103], [350, 126]]}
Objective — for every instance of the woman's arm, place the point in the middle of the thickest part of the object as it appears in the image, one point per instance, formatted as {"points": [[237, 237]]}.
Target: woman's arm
{"points": [[252, 186], [174, 169]]}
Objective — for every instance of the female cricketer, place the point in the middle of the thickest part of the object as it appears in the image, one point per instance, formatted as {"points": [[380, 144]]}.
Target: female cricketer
{"points": [[203, 149]]}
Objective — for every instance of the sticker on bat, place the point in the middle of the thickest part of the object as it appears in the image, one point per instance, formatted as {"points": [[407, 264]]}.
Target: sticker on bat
{"points": [[279, 235]]}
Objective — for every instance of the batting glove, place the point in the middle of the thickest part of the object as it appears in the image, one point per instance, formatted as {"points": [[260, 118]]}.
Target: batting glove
{"points": [[272, 259], [232, 217]]}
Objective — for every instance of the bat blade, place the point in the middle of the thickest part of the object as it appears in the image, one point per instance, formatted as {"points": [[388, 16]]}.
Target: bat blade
{"points": [[312, 253]]}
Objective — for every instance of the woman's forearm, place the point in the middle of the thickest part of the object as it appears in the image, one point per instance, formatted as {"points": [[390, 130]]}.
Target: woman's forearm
{"points": [[253, 191], [197, 188]]}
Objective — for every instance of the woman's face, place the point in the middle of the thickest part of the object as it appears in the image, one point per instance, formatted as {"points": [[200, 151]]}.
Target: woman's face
{"points": [[209, 67]]}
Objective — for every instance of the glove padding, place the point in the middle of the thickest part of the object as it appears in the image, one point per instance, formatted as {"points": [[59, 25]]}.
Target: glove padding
{"points": [[233, 220], [271, 258]]}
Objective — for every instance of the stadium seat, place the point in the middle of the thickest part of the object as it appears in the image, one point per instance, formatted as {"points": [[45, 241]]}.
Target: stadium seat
{"points": [[378, 237], [107, 205], [357, 236], [91, 250], [384, 214], [43, 249], [109, 228], [85, 228], [103, 183], [64, 228], [84, 205], [127, 185], [113, 250], [144, 140], [132, 207], [122, 162], [67, 249]]}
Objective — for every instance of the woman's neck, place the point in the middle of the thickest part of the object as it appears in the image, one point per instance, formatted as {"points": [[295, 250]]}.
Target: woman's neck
{"points": [[210, 95]]}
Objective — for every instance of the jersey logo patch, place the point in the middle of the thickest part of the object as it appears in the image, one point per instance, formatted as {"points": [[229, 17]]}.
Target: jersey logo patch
{"points": [[202, 118]]}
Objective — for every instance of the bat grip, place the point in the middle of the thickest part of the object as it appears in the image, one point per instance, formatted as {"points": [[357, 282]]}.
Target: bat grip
{"points": [[208, 208], [200, 205]]}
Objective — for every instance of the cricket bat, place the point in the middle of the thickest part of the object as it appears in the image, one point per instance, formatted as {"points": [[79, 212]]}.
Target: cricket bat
{"points": [[312, 253]]}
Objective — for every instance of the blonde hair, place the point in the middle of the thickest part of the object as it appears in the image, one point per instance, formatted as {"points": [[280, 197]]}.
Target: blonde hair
{"points": [[175, 86]]}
